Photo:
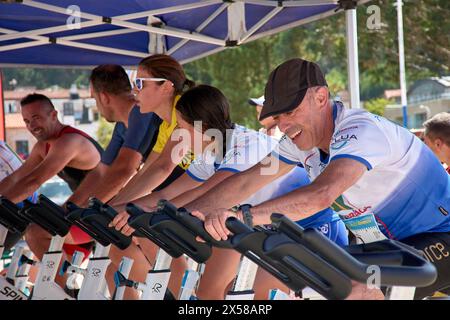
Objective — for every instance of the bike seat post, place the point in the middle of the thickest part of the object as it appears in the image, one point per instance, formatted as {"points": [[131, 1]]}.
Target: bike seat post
{"points": [[400, 293], [163, 260], [22, 272], [56, 243], [124, 269], [101, 251], [14, 265]]}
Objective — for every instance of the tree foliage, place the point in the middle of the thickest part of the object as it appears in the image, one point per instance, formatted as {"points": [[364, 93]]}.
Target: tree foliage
{"points": [[104, 132], [242, 72]]}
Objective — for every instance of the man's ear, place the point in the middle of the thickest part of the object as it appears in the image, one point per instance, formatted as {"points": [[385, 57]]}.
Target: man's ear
{"points": [[438, 143], [321, 96], [104, 98], [54, 114]]}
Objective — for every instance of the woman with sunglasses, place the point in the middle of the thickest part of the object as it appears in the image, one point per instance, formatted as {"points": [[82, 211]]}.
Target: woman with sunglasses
{"points": [[222, 149], [159, 84]]}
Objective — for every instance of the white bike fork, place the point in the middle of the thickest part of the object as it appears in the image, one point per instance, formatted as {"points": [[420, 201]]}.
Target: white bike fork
{"points": [[243, 284], [94, 285], [45, 287], [9, 286], [191, 280]]}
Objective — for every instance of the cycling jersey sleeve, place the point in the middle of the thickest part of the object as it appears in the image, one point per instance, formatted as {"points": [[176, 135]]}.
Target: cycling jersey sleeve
{"points": [[116, 142], [248, 150], [287, 151], [360, 139], [142, 131], [201, 169]]}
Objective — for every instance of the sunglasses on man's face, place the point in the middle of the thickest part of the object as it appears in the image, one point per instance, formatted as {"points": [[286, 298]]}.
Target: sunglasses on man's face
{"points": [[139, 82]]}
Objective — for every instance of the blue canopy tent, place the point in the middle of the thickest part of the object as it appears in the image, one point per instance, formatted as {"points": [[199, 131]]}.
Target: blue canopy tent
{"points": [[85, 33]]}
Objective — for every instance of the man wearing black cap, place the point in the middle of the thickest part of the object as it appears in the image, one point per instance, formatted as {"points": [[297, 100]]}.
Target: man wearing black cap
{"points": [[372, 171]]}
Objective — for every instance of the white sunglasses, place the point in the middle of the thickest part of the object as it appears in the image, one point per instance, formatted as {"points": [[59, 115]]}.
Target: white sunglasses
{"points": [[139, 82]]}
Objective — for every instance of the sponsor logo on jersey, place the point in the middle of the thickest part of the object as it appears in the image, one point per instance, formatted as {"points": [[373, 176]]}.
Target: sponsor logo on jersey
{"points": [[345, 129], [356, 213], [340, 141]]}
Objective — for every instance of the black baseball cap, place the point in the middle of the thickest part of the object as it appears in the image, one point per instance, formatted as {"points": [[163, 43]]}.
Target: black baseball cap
{"points": [[287, 86]]}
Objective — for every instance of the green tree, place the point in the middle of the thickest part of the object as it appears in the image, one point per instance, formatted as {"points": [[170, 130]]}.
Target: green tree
{"points": [[104, 132], [377, 106]]}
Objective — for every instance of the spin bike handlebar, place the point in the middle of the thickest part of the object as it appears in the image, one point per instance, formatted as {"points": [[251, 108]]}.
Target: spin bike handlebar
{"points": [[305, 257], [94, 220], [10, 216], [174, 230], [412, 270], [48, 215]]}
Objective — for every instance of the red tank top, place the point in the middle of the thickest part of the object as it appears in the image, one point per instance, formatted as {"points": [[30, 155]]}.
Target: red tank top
{"points": [[67, 129], [74, 176]]}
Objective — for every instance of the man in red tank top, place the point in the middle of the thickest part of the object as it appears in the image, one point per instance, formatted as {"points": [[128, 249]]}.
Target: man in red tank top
{"points": [[60, 150]]}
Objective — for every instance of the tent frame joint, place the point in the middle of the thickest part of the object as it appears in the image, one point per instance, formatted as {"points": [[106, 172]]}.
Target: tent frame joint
{"points": [[231, 43], [346, 5], [107, 20]]}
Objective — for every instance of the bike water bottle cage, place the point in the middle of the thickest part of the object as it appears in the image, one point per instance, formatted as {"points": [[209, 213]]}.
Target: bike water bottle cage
{"points": [[11, 218], [48, 215], [169, 230]]}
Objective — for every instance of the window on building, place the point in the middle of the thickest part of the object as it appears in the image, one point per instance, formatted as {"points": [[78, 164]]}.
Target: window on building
{"points": [[12, 107], [68, 109], [420, 118], [22, 148]]}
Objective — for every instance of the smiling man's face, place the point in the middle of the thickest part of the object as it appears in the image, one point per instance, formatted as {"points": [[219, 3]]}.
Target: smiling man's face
{"points": [[40, 119], [305, 125]]}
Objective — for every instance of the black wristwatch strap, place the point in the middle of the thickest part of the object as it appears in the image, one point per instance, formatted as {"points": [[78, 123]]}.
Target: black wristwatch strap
{"points": [[246, 214]]}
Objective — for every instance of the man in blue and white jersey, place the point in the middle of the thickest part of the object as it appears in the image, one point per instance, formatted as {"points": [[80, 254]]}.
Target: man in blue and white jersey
{"points": [[10, 162], [375, 172]]}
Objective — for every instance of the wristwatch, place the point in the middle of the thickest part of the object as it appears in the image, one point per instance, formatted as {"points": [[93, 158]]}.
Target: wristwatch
{"points": [[246, 214]]}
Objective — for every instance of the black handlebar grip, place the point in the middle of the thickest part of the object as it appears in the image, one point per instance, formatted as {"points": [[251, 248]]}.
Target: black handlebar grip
{"points": [[133, 210], [108, 211], [167, 207], [236, 226], [71, 206], [197, 226]]}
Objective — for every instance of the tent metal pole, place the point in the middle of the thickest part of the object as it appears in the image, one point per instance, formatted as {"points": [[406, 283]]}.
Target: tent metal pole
{"points": [[98, 20], [286, 4], [352, 57], [260, 23], [401, 60], [200, 27]]}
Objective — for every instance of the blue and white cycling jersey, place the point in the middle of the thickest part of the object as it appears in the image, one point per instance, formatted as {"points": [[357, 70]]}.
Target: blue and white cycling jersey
{"points": [[405, 188], [248, 147], [10, 162]]}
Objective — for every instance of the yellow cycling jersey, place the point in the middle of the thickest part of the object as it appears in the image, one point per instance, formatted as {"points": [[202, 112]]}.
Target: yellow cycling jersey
{"points": [[164, 133]]}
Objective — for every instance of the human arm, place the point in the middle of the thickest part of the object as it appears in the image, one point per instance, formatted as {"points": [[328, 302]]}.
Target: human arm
{"points": [[33, 160], [339, 175], [152, 175], [105, 181], [36, 170]]}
